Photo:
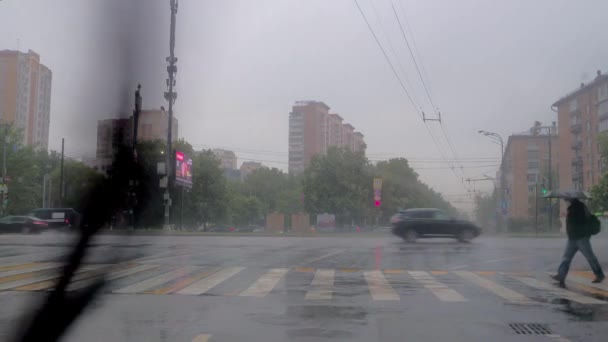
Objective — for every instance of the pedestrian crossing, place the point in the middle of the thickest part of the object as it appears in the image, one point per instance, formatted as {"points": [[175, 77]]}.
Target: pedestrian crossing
{"points": [[315, 285]]}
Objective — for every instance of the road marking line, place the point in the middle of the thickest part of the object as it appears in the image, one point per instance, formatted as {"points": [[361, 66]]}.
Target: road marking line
{"points": [[585, 281], [495, 288], [592, 290], [18, 266], [305, 269], [210, 281], [440, 290], [156, 281], [350, 270], [393, 271], [486, 273], [34, 277], [181, 283], [557, 337], [379, 287], [439, 272], [44, 285], [111, 276], [324, 256], [201, 338], [563, 293], [265, 283], [586, 274], [161, 256], [322, 285], [37, 267]]}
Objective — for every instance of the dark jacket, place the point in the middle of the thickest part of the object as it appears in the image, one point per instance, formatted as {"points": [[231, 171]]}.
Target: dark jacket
{"points": [[576, 221]]}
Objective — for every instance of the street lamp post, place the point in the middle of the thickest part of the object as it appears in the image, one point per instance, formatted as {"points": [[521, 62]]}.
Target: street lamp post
{"points": [[497, 138]]}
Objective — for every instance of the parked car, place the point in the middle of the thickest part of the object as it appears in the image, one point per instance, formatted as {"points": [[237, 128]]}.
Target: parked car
{"points": [[412, 224], [58, 218], [22, 224]]}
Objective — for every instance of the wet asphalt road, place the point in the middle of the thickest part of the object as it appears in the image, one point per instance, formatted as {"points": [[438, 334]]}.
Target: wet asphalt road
{"points": [[210, 288]]}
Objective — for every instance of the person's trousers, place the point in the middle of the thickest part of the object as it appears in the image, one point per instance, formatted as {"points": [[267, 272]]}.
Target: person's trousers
{"points": [[573, 246]]}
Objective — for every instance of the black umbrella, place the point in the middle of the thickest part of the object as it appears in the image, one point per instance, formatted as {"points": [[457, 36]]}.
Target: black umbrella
{"points": [[568, 194]]}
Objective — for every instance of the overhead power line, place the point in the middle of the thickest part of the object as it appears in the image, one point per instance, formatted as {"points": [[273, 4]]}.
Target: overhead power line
{"points": [[387, 59], [414, 59]]}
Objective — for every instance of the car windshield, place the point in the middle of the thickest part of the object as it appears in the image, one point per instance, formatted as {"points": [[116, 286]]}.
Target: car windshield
{"points": [[303, 170]]}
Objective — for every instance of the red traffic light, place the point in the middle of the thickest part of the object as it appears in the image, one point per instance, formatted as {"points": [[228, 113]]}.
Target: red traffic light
{"points": [[377, 203]]}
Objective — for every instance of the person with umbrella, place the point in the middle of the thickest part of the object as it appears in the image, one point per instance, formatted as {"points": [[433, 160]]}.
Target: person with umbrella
{"points": [[579, 235]]}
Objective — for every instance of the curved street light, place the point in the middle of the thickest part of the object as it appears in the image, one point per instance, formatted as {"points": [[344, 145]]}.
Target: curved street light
{"points": [[497, 138]]}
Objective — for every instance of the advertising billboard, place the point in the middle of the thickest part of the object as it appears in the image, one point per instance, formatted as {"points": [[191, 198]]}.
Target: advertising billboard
{"points": [[183, 169]]}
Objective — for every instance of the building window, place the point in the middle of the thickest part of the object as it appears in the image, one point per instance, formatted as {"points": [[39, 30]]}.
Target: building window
{"points": [[602, 108], [602, 92], [603, 126], [531, 189], [588, 126], [532, 165], [532, 154], [573, 105]]}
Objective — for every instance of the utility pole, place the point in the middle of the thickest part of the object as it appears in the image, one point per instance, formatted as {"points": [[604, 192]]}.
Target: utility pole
{"points": [[61, 194], [536, 208], [133, 181], [4, 197], [170, 96], [497, 138], [550, 181], [136, 113]]}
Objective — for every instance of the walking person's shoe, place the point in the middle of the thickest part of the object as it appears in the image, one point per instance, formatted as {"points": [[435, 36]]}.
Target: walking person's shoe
{"points": [[598, 280], [558, 279]]}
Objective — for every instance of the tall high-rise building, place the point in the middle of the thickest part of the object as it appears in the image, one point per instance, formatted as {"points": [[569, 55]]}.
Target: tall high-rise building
{"points": [[25, 95], [227, 158], [582, 115], [312, 129]]}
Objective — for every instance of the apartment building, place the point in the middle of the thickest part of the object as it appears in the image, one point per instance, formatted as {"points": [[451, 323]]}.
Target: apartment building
{"points": [[530, 160], [582, 115], [248, 167], [312, 129], [227, 158], [25, 95]]}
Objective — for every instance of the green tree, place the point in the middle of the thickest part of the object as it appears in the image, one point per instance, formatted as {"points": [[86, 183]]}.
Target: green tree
{"points": [[207, 201], [79, 180], [599, 195], [22, 171], [339, 183]]}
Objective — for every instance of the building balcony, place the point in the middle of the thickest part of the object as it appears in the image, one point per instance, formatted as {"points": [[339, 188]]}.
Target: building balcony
{"points": [[577, 145], [577, 162], [575, 113], [576, 128]]}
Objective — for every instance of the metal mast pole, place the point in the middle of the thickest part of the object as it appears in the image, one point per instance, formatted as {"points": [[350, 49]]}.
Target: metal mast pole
{"points": [[550, 181], [170, 96]]}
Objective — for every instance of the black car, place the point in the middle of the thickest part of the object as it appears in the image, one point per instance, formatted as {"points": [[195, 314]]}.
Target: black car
{"points": [[22, 224], [426, 223], [58, 218]]}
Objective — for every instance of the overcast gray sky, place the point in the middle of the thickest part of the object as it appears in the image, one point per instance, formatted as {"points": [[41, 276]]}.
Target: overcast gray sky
{"points": [[492, 65]]}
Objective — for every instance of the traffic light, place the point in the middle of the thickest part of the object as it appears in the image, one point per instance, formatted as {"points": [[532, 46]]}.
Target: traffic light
{"points": [[543, 189], [377, 203]]}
